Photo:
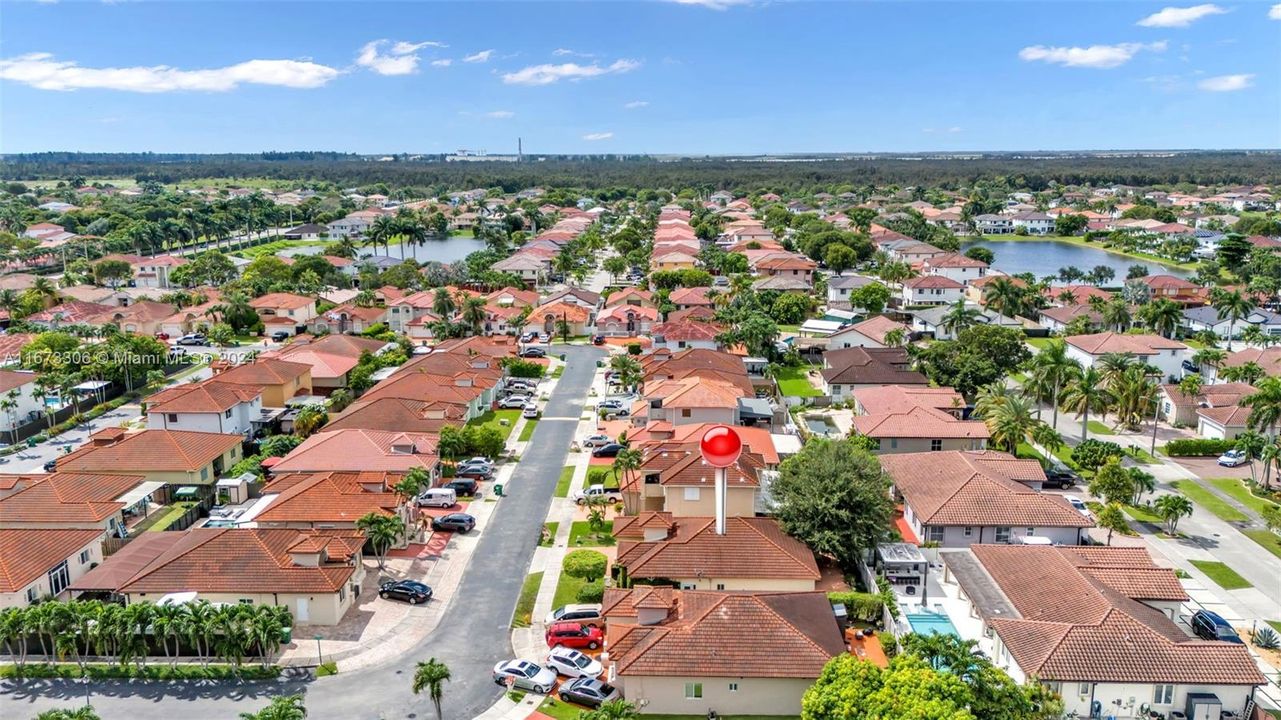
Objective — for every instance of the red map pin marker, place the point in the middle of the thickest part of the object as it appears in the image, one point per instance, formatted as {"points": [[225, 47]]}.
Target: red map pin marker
{"points": [[721, 446]]}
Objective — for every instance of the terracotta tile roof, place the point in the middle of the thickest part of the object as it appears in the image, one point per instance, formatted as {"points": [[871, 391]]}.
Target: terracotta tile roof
{"points": [[1067, 313], [755, 440], [755, 548], [230, 560], [1216, 395], [687, 330], [332, 356], [722, 634], [11, 344], [367, 314], [690, 296], [687, 468], [1110, 342], [560, 309], [68, 498], [151, 451], [949, 489], [28, 554], [517, 296], [870, 366], [286, 301], [263, 371], [1228, 416], [328, 497], [698, 312], [785, 261], [919, 422], [986, 280], [142, 311], [1081, 294], [13, 379], [355, 449], [620, 312], [875, 328], [621, 296], [1267, 358], [1079, 621], [71, 312], [697, 362], [1169, 282], [954, 260], [693, 392], [400, 415], [932, 282], [209, 396], [495, 346], [900, 398]]}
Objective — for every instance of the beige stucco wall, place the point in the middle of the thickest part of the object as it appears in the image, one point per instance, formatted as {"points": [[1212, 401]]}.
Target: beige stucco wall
{"points": [[322, 608], [890, 446], [739, 502], [754, 696], [744, 584], [75, 569]]}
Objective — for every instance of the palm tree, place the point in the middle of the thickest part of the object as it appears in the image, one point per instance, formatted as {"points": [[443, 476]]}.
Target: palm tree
{"points": [[1005, 297], [1251, 444], [1047, 437], [1011, 422], [1116, 314], [310, 419], [1271, 455], [1232, 306], [9, 406], [285, 707], [383, 531], [896, 272], [265, 627], [443, 304], [990, 397], [1248, 372], [1265, 406], [896, 337], [1163, 316], [959, 317], [432, 676], [627, 371], [618, 709], [627, 461], [1085, 391], [198, 622], [381, 231], [1172, 508], [473, 314], [166, 623], [1134, 396], [1054, 367], [44, 289]]}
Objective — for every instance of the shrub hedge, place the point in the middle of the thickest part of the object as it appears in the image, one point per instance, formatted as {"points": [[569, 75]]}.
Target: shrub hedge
{"points": [[858, 605], [1198, 447]]}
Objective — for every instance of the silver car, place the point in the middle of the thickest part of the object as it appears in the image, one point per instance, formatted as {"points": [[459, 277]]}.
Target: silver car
{"points": [[526, 675], [571, 663]]}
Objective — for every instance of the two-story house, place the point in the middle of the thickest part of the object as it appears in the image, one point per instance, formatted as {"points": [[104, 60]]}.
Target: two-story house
{"points": [[209, 406]]}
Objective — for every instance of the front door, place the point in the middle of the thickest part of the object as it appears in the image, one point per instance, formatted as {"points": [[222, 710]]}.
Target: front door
{"points": [[304, 610]]}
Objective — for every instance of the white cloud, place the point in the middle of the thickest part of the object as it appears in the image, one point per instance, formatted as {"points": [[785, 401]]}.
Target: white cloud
{"points": [[41, 70], [1180, 17], [400, 59], [500, 114], [1274, 12], [713, 4], [562, 52], [636, 104], [593, 137], [480, 57], [1226, 83], [443, 62], [1094, 56], [547, 74]]}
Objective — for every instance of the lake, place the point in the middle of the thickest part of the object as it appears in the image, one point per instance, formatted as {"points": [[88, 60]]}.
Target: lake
{"points": [[450, 250], [1045, 257]]}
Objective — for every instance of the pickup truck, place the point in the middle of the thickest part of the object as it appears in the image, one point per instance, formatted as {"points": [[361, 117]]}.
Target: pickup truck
{"points": [[597, 491]]}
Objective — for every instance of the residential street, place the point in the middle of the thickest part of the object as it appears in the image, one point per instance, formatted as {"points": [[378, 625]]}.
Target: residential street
{"points": [[473, 635]]}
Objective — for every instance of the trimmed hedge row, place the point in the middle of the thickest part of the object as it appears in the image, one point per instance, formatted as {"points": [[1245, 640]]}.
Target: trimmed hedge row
{"points": [[859, 605], [154, 671], [1198, 447]]}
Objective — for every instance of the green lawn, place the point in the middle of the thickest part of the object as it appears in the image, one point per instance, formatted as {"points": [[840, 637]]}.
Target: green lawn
{"points": [[1143, 514], [1226, 577], [1268, 539], [1237, 490], [792, 381], [1097, 428], [163, 518], [553, 707], [525, 603], [1276, 624], [567, 590], [581, 535], [1210, 501], [560, 370], [1142, 457], [552, 527], [1040, 343], [494, 418], [562, 485], [528, 431], [1028, 452]]}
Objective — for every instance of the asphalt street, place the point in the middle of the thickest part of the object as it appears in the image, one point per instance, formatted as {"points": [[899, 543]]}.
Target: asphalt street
{"points": [[473, 634]]}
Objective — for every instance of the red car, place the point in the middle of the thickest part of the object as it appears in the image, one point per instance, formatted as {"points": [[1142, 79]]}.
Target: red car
{"points": [[573, 635]]}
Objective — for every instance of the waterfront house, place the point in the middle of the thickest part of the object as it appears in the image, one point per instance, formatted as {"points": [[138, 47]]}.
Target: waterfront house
{"points": [[1162, 353]]}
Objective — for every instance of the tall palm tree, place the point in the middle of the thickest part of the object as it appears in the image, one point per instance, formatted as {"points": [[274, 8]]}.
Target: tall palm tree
{"points": [[1251, 444], [1084, 391], [1134, 396], [199, 625], [383, 531], [381, 231], [1265, 406], [896, 272], [627, 461], [1231, 306], [44, 289], [1247, 372], [1173, 508], [432, 676], [1054, 367], [1011, 422], [1162, 316], [166, 622], [959, 317], [443, 304], [473, 314], [1003, 296], [1116, 314]]}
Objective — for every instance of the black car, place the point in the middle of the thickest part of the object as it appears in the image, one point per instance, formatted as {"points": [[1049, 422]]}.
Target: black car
{"points": [[1190, 366], [280, 336], [588, 692], [1060, 479], [610, 450], [462, 486], [533, 352], [454, 522], [598, 340], [411, 591], [1212, 626]]}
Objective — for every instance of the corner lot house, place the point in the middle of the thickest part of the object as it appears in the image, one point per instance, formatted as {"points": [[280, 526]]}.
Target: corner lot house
{"points": [[314, 574], [209, 406], [688, 652], [1164, 354], [39, 564]]}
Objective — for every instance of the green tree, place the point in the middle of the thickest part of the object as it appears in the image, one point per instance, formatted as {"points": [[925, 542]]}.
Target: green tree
{"points": [[1173, 508], [587, 565], [310, 419], [284, 707], [618, 709], [112, 272], [1094, 454], [839, 258], [959, 317], [871, 297], [383, 531], [834, 497], [81, 713], [909, 689], [1112, 518], [432, 676], [1085, 392], [1231, 306], [1265, 406], [1112, 483]]}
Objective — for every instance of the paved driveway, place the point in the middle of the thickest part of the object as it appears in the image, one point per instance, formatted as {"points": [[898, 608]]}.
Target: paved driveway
{"points": [[473, 634]]}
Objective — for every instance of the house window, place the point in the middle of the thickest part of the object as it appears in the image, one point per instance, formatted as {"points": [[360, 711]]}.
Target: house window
{"points": [[204, 473], [693, 494], [969, 531], [1031, 532], [693, 691], [1083, 689], [84, 556], [733, 687], [342, 593], [1002, 534], [1163, 695], [893, 443], [685, 412], [936, 445], [228, 414], [720, 586], [172, 417], [934, 533], [245, 601], [32, 595], [59, 579]]}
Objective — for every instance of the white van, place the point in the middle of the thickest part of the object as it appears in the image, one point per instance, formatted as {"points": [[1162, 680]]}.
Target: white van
{"points": [[437, 497], [1031, 540]]}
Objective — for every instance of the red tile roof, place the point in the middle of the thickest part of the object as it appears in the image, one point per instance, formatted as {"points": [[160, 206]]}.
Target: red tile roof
{"points": [[275, 301], [209, 396], [28, 554], [263, 371], [355, 449], [1111, 342], [329, 497], [13, 379], [151, 451], [68, 498], [753, 548]]}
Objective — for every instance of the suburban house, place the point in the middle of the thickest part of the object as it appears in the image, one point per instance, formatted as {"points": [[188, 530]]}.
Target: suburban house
{"points": [[1164, 354], [547, 318], [348, 318], [329, 500], [209, 406], [750, 553], [688, 652], [1269, 359], [331, 358], [284, 311], [401, 312], [37, 564], [527, 267], [788, 265], [913, 419], [685, 298], [682, 334], [1035, 223], [975, 289], [1074, 294], [1174, 288], [931, 290], [19, 387], [957, 499], [174, 457], [691, 400], [1057, 319], [1058, 615], [1222, 423], [1181, 409], [840, 287], [673, 260], [1203, 318], [143, 317], [315, 574], [394, 414], [626, 320], [852, 368], [105, 504], [989, 224], [670, 467], [278, 380], [954, 266], [308, 231], [871, 333], [354, 450], [931, 320]]}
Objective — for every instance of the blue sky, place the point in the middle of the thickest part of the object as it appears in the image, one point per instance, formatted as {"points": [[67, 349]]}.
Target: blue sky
{"points": [[690, 77]]}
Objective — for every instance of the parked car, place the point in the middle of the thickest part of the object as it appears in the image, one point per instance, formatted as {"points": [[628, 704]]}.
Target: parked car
{"points": [[192, 339], [592, 441], [525, 674], [610, 450], [574, 635], [544, 338], [513, 402], [588, 692], [1233, 458], [571, 663], [720, 281], [523, 385], [437, 497], [1078, 504], [533, 352], [529, 337], [51, 466], [586, 614], [1212, 626], [1060, 478], [598, 340], [280, 336], [162, 336], [530, 411], [411, 591], [478, 461], [454, 522], [1190, 366], [462, 486], [596, 491], [611, 404], [473, 473]]}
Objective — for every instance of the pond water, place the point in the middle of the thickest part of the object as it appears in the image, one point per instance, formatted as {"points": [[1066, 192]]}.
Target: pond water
{"points": [[1045, 257], [449, 250]]}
